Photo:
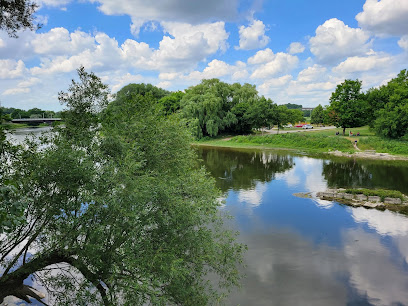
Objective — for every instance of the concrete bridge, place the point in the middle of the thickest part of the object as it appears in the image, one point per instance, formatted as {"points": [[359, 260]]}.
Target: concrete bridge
{"points": [[36, 120]]}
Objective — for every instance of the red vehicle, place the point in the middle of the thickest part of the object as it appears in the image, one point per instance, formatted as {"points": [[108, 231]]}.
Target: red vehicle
{"points": [[299, 125]]}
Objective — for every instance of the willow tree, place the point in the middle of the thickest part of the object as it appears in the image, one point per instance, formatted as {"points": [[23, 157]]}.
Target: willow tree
{"points": [[114, 210]]}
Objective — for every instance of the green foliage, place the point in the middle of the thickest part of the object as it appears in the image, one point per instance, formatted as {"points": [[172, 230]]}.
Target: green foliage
{"points": [[117, 197], [392, 118], [392, 146], [16, 15], [347, 107], [171, 102], [382, 193], [317, 115], [207, 108], [295, 115], [144, 89], [293, 106]]}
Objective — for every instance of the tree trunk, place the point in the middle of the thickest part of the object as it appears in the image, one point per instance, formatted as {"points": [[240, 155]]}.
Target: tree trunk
{"points": [[344, 131]]}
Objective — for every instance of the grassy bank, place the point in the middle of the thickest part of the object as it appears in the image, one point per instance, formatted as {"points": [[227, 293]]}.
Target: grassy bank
{"points": [[303, 141], [315, 141]]}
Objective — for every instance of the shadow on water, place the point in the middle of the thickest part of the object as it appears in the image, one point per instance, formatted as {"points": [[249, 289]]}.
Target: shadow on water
{"points": [[241, 169]]}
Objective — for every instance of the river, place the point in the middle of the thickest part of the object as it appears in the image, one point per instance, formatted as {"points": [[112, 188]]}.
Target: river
{"points": [[312, 252], [305, 251]]}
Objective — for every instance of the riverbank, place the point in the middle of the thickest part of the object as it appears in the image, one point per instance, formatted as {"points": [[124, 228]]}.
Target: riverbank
{"points": [[325, 141]]}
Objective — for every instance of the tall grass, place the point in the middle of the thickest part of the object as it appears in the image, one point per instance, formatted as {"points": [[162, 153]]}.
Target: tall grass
{"points": [[384, 145]]}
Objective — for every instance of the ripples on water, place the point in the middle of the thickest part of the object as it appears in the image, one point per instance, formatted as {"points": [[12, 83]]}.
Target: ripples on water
{"points": [[307, 251]]}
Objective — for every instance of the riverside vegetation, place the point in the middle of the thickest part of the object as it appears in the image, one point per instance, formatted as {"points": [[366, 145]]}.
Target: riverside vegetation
{"points": [[112, 209]]}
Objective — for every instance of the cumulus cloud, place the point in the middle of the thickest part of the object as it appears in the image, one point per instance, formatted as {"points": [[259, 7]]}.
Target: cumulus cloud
{"points": [[193, 12], [218, 69], [279, 63], [312, 74], [58, 41], [274, 83], [359, 63], [261, 57], [11, 69], [15, 91], [335, 41], [189, 44], [403, 42], [296, 47], [185, 46], [253, 36], [385, 17]]}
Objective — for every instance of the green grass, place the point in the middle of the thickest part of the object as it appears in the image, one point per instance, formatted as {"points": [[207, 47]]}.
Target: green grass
{"points": [[307, 141], [314, 140], [13, 126], [382, 193], [384, 145]]}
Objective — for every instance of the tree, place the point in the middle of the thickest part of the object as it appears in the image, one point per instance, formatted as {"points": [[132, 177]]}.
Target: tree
{"points": [[391, 107], [347, 107], [207, 108], [317, 115], [171, 103], [116, 211], [260, 113], [16, 15], [295, 115]]}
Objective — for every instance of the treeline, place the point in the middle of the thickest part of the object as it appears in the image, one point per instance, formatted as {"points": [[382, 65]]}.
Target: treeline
{"points": [[11, 113], [214, 107], [384, 109]]}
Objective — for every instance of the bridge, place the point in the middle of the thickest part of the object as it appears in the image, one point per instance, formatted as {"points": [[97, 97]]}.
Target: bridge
{"points": [[36, 120]]}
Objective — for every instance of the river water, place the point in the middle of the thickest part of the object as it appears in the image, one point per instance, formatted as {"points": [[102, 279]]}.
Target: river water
{"points": [[305, 251], [312, 252]]}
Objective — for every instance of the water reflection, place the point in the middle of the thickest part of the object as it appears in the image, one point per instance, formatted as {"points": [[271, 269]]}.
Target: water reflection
{"points": [[368, 174], [242, 169], [311, 252]]}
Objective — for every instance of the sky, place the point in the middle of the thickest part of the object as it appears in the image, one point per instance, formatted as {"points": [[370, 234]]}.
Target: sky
{"points": [[294, 51]]}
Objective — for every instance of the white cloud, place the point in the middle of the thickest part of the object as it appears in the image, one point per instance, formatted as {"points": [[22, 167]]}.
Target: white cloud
{"points": [[58, 41], [125, 80], [312, 74], [335, 41], [403, 42], [53, 2], [11, 69], [193, 12], [274, 83], [164, 84], [253, 36], [168, 76], [15, 91], [296, 47], [280, 63], [190, 45], [218, 69], [359, 63], [261, 57], [385, 17]]}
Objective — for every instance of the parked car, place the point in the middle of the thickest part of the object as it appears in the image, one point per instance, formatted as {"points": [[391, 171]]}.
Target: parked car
{"points": [[299, 125], [307, 126], [288, 126]]}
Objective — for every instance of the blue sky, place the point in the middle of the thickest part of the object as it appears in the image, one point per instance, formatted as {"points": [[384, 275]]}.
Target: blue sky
{"points": [[294, 51]]}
